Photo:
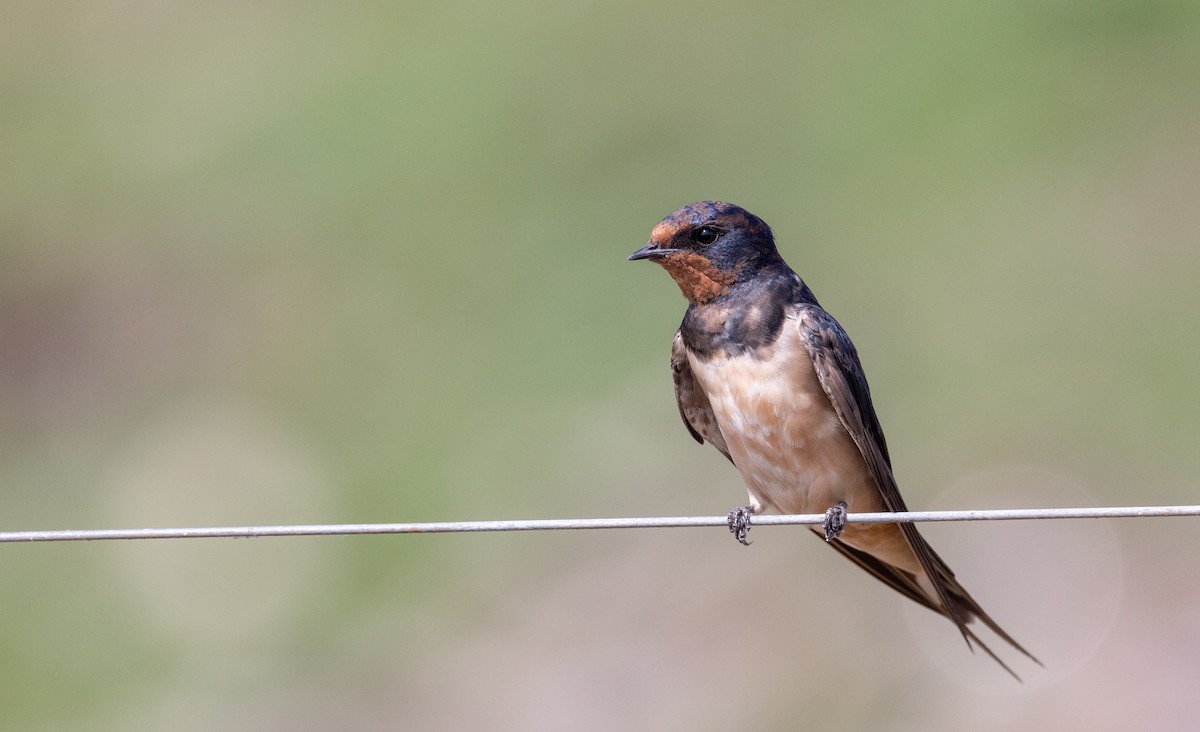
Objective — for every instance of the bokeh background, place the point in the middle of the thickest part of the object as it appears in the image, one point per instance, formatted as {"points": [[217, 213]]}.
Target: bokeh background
{"points": [[360, 262]]}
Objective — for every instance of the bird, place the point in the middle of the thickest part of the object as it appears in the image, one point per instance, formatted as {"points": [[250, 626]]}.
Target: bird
{"points": [[770, 379]]}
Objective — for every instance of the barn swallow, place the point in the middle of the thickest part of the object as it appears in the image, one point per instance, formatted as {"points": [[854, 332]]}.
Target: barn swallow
{"points": [[772, 381]]}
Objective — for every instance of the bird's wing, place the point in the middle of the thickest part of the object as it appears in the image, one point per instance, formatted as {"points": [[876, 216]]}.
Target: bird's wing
{"points": [[694, 408], [898, 579], [836, 362]]}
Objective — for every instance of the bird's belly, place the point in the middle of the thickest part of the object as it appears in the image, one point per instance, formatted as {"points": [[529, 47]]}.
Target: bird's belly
{"points": [[783, 434]]}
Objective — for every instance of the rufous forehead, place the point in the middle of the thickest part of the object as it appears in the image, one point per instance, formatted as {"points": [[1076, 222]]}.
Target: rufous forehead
{"points": [[664, 231], [722, 214]]}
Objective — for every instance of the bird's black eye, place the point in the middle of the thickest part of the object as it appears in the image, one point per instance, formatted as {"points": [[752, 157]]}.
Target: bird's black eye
{"points": [[705, 235]]}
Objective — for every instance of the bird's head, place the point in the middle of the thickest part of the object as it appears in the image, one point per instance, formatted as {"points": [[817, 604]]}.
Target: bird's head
{"points": [[709, 246]]}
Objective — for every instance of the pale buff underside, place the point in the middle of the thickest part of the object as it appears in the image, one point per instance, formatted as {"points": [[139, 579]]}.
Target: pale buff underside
{"points": [[789, 444]]}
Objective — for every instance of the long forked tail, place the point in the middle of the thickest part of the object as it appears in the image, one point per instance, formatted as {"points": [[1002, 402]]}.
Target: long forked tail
{"points": [[956, 603], [950, 594], [966, 609]]}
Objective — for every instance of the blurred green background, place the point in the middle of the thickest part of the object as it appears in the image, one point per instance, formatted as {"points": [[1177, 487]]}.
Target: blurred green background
{"points": [[363, 262]]}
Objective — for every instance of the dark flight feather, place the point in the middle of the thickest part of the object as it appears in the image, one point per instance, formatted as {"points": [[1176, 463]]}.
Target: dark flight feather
{"points": [[836, 362]]}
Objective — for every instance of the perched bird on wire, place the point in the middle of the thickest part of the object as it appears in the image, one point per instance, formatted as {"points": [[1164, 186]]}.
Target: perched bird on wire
{"points": [[771, 380]]}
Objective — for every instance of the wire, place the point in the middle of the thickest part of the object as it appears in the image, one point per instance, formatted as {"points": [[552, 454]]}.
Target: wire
{"points": [[444, 527]]}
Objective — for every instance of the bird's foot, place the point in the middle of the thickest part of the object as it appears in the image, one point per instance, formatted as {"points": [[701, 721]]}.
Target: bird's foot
{"points": [[739, 523], [835, 521]]}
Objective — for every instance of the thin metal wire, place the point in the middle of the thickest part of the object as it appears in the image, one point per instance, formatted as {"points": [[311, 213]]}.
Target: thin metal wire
{"points": [[444, 527]]}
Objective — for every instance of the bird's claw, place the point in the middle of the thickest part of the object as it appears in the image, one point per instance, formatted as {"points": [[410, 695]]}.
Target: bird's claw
{"points": [[739, 523], [835, 521]]}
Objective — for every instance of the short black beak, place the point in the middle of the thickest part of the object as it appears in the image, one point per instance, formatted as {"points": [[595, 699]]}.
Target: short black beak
{"points": [[650, 251]]}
